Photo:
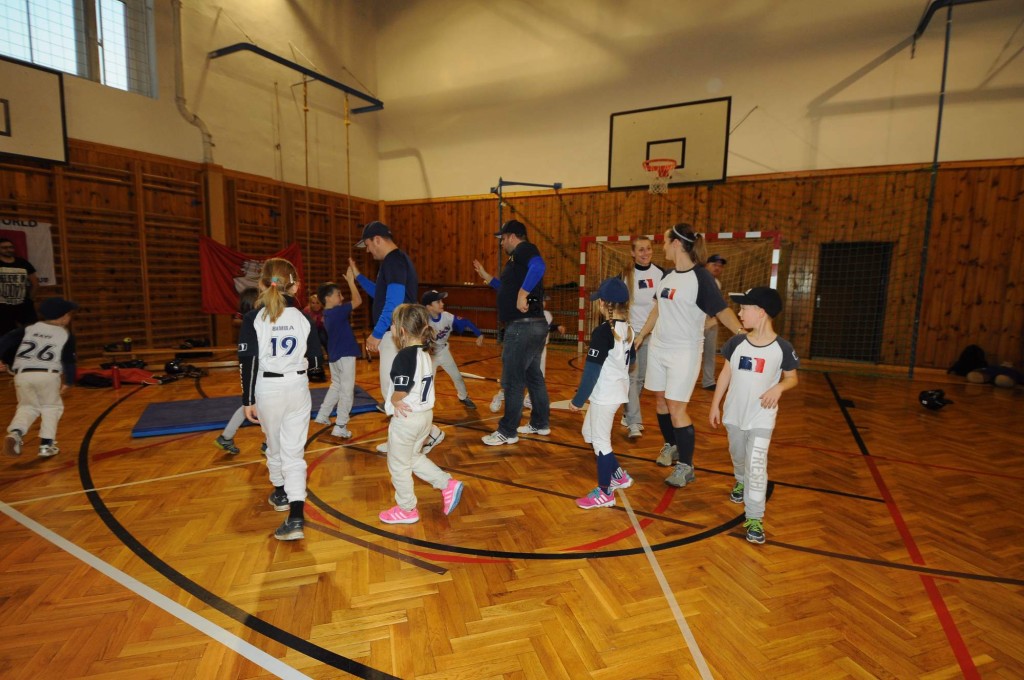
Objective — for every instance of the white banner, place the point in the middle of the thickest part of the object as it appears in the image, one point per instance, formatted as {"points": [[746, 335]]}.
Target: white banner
{"points": [[32, 242]]}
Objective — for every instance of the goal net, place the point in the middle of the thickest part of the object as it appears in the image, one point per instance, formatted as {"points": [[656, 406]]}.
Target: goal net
{"points": [[753, 260]]}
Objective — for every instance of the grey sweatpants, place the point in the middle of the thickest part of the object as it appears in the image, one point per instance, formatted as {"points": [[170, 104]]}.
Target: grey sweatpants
{"points": [[749, 452]]}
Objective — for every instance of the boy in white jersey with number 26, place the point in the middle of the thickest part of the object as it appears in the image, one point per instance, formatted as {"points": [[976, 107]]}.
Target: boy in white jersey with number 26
{"points": [[754, 364], [605, 383], [45, 350], [410, 402]]}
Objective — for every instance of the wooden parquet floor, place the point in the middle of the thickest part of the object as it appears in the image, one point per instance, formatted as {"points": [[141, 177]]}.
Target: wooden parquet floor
{"points": [[893, 548]]}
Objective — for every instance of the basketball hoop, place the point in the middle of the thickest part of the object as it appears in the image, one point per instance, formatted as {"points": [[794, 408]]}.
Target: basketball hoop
{"points": [[660, 170]]}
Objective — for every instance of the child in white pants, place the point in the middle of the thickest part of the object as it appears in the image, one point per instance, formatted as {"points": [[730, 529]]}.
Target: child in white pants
{"points": [[45, 350], [410, 401], [444, 324], [605, 382], [277, 344]]}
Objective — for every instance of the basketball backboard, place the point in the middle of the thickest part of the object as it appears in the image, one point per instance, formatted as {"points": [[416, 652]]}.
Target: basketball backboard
{"points": [[694, 134], [32, 112]]}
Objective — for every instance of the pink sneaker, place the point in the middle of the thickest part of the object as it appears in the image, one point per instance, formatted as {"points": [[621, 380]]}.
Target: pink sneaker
{"points": [[397, 515], [452, 494], [623, 482], [596, 499]]}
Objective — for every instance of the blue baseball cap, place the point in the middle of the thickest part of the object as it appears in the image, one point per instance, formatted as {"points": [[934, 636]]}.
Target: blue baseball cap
{"points": [[611, 290]]}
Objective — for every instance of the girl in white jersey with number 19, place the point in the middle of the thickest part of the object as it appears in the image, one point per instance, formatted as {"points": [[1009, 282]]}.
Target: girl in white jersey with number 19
{"points": [[277, 344], [605, 382], [686, 296], [410, 400]]}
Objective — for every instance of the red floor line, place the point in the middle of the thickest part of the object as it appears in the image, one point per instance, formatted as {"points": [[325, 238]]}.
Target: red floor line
{"points": [[956, 641], [901, 461]]}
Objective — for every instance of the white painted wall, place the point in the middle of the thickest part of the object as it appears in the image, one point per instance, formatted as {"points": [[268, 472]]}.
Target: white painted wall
{"points": [[523, 89], [252, 106]]}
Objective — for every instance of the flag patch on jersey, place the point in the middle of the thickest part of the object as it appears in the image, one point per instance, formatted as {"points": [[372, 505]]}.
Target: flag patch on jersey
{"points": [[668, 293], [646, 283], [401, 381], [243, 347], [752, 364], [592, 352]]}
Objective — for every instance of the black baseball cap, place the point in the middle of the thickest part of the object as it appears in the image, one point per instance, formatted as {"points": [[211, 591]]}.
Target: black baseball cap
{"points": [[764, 297], [512, 227], [716, 258], [432, 296], [372, 229], [54, 308]]}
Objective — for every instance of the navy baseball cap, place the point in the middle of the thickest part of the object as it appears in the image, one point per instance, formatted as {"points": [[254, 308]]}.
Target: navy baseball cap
{"points": [[54, 308], [512, 227], [612, 290], [716, 258], [432, 296], [764, 297], [372, 229]]}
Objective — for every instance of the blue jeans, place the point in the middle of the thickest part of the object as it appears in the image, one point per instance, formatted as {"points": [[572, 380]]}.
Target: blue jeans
{"points": [[520, 367]]}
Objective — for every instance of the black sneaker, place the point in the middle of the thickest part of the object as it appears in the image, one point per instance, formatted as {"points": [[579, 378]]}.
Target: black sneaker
{"points": [[468, 403], [279, 499], [290, 530], [227, 444], [263, 448], [737, 493]]}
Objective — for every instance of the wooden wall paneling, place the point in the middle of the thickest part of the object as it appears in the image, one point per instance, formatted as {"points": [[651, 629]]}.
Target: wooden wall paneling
{"points": [[1010, 339], [260, 220], [174, 220], [138, 193]]}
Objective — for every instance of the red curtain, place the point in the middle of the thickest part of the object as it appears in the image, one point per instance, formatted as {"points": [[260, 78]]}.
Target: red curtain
{"points": [[227, 272]]}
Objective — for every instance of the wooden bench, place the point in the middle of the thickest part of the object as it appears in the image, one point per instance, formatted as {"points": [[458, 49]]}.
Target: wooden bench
{"points": [[168, 353]]}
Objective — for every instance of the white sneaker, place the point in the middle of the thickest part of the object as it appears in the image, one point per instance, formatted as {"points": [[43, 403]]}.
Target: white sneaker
{"points": [[341, 432], [382, 447], [623, 422], [527, 403], [635, 431], [497, 439], [322, 421], [48, 450], [496, 401], [12, 444], [435, 437], [530, 429]]}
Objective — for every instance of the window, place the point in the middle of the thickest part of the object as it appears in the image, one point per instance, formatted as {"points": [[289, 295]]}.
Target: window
{"points": [[109, 41]]}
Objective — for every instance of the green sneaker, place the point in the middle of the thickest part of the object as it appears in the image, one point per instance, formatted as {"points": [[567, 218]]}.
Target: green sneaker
{"points": [[737, 493], [755, 530]]}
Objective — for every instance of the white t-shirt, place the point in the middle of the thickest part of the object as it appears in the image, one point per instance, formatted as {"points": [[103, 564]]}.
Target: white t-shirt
{"points": [[685, 299], [753, 370], [282, 343], [412, 373], [41, 347], [612, 386], [641, 298], [442, 330]]}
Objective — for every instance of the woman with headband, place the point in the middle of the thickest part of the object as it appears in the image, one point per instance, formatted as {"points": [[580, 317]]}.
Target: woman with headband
{"points": [[686, 296]]}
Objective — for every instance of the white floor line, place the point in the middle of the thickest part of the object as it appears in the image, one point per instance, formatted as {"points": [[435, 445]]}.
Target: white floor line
{"points": [[229, 640], [141, 481], [698, 658]]}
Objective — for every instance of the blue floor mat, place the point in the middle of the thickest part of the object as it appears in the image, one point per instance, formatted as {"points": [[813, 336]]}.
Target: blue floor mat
{"points": [[201, 415]]}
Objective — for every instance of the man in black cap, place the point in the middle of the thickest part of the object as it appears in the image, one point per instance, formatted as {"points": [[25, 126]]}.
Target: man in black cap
{"points": [[521, 310], [396, 284], [715, 265]]}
